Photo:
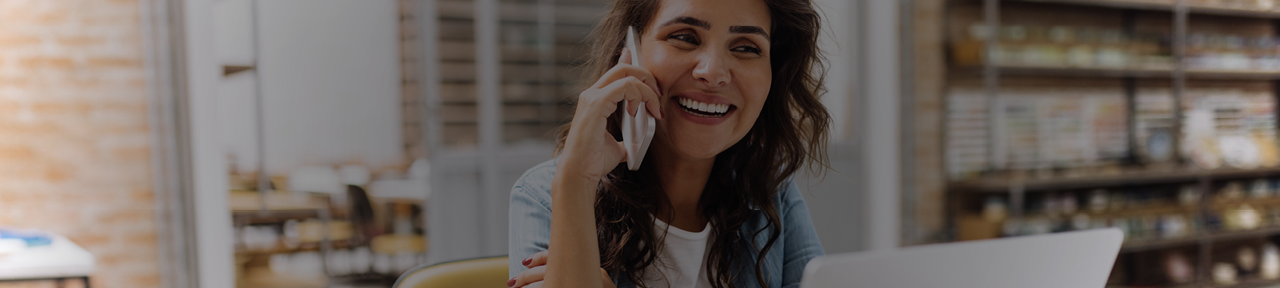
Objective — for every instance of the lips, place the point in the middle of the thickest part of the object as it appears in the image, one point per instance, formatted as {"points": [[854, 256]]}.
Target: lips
{"points": [[704, 109]]}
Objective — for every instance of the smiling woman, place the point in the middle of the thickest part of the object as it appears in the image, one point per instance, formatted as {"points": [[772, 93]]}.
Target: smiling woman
{"points": [[732, 85]]}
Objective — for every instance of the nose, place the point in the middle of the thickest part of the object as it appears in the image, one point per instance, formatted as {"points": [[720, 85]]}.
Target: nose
{"points": [[711, 70]]}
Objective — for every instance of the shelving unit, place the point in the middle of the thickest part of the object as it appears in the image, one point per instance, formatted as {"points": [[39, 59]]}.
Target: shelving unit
{"points": [[1169, 65], [1027, 70]]}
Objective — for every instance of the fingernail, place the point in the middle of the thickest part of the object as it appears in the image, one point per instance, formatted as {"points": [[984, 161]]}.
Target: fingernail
{"points": [[527, 261], [511, 282]]}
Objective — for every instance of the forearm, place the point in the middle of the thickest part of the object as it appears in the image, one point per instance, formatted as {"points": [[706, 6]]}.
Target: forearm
{"points": [[573, 258]]}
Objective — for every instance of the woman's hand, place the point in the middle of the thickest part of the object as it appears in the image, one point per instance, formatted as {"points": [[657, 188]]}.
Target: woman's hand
{"points": [[589, 150], [532, 278]]}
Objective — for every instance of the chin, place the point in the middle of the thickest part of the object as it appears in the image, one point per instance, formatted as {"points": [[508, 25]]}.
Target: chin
{"points": [[695, 149]]}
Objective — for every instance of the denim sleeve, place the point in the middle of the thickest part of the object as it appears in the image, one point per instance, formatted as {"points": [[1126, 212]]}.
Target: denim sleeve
{"points": [[801, 241], [529, 216]]}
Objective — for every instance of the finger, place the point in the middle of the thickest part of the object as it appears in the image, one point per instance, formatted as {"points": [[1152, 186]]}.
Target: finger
{"points": [[538, 285], [640, 92], [656, 107], [604, 278], [534, 274], [621, 147], [624, 60], [538, 259], [622, 70], [625, 56], [634, 96], [614, 93], [651, 101]]}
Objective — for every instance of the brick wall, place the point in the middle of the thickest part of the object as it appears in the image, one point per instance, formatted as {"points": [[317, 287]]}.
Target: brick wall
{"points": [[74, 142]]}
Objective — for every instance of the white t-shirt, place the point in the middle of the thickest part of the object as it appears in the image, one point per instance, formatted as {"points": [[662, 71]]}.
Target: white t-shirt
{"points": [[683, 261]]}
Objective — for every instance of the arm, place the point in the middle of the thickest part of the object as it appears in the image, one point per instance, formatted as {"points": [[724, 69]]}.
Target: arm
{"points": [[529, 217], [589, 153], [573, 224], [801, 240]]}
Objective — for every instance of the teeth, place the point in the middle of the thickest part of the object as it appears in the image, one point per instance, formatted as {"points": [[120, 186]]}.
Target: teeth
{"points": [[704, 107]]}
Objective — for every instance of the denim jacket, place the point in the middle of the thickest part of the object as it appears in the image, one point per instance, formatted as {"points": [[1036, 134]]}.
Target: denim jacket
{"points": [[530, 230]]}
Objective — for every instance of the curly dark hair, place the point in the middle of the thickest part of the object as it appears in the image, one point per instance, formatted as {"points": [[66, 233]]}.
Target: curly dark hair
{"points": [[790, 132]]}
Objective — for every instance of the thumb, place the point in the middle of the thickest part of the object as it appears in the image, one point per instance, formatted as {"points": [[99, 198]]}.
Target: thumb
{"points": [[623, 148]]}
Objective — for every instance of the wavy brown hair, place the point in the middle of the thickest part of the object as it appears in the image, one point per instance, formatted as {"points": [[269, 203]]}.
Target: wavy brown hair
{"points": [[790, 132]]}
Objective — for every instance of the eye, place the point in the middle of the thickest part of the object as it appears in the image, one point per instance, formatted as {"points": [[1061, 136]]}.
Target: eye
{"points": [[685, 37], [747, 49]]}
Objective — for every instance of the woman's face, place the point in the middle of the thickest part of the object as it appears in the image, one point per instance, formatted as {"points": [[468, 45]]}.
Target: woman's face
{"points": [[711, 61]]}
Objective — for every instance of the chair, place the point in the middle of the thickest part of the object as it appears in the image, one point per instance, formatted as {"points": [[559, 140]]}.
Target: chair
{"points": [[478, 273]]}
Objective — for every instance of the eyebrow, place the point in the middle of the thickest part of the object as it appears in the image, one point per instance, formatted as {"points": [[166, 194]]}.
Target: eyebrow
{"points": [[704, 25], [748, 30], [688, 20]]}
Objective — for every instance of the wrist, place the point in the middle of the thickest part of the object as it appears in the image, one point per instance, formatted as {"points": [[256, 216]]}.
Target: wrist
{"points": [[579, 168], [573, 176]]}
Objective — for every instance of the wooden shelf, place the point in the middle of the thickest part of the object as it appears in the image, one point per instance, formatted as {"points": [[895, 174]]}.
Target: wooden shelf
{"points": [[305, 247], [1154, 244], [1249, 282], [1003, 184], [1153, 5], [1232, 11], [1232, 74], [1032, 70], [1168, 6], [1191, 284]]}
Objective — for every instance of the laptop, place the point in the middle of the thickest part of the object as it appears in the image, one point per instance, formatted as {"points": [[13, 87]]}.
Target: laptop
{"points": [[1080, 259]]}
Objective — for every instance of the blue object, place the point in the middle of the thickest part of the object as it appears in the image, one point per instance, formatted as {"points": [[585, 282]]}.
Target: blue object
{"points": [[30, 237], [530, 230]]}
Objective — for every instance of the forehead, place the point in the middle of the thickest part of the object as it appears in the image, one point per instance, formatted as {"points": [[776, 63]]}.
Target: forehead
{"points": [[719, 13]]}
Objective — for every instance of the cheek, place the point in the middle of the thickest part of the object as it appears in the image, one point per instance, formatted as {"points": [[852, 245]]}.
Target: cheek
{"points": [[667, 70], [755, 84]]}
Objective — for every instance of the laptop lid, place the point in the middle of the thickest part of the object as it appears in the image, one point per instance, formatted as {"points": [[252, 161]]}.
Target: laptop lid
{"points": [[1074, 259]]}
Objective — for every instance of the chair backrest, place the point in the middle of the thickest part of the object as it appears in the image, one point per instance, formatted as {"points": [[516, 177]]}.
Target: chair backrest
{"points": [[478, 273]]}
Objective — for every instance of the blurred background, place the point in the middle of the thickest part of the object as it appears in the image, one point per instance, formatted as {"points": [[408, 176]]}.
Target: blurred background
{"points": [[343, 143]]}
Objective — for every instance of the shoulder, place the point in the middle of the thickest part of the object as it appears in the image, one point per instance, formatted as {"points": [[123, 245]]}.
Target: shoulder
{"points": [[788, 195], [535, 183]]}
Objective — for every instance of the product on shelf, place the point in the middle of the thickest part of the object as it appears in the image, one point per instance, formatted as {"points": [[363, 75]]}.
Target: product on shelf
{"points": [[1064, 46], [1178, 268], [1154, 125], [1189, 196], [1224, 273], [1098, 200], [1231, 191], [1229, 126], [1242, 218], [1242, 4], [1270, 267], [1173, 226], [1213, 51], [1247, 258], [994, 210], [967, 135], [1260, 189], [1035, 129]]}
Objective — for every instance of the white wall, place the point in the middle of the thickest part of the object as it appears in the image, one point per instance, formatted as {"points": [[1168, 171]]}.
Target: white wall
{"points": [[857, 205], [330, 76], [836, 199], [209, 175], [882, 125], [331, 81]]}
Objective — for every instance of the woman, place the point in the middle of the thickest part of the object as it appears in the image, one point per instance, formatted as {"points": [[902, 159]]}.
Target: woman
{"points": [[733, 87]]}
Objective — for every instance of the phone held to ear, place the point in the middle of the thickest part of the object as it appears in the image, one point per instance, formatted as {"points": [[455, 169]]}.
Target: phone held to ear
{"points": [[637, 131]]}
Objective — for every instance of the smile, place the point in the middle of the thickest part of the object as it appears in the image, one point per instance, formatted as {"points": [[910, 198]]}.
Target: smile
{"points": [[704, 109]]}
